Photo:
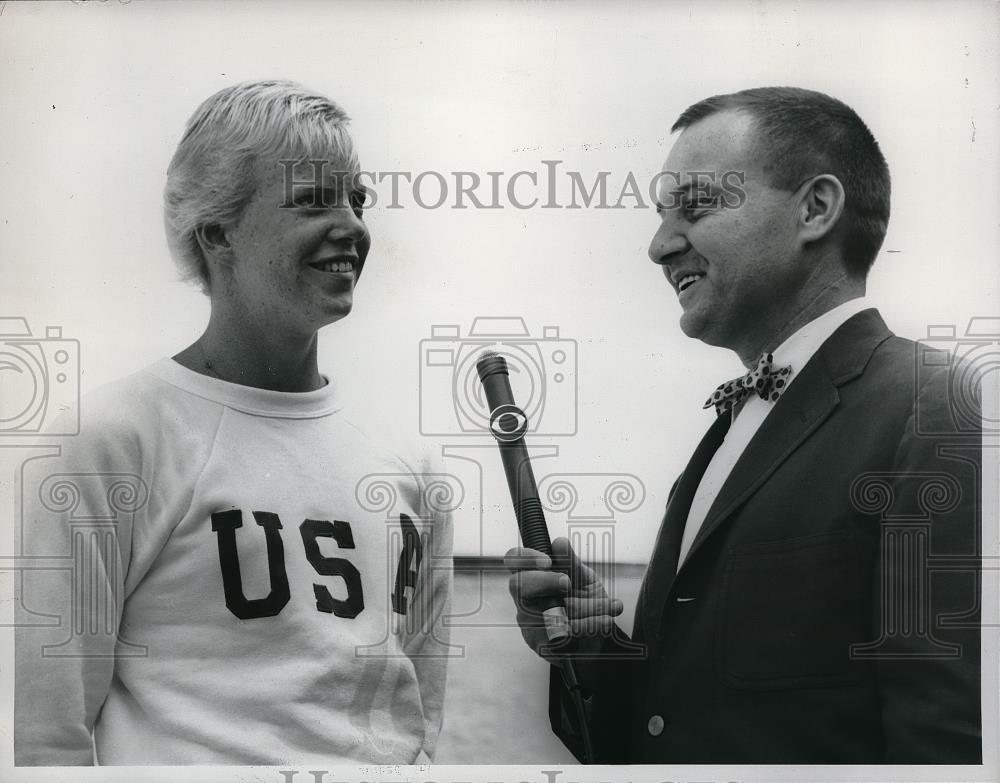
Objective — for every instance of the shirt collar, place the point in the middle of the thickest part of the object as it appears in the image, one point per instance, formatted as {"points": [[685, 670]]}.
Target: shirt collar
{"points": [[798, 349]]}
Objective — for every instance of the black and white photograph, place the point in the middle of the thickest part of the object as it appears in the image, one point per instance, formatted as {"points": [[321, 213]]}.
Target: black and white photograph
{"points": [[500, 391]]}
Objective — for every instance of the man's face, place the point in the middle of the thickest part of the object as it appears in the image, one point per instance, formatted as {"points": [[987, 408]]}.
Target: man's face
{"points": [[726, 240], [297, 252]]}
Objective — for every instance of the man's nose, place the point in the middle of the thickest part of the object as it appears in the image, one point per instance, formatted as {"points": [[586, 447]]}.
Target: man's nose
{"points": [[668, 242]]}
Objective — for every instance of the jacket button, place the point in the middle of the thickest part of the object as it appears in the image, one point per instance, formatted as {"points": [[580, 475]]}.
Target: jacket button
{"points": [[655, 726]]}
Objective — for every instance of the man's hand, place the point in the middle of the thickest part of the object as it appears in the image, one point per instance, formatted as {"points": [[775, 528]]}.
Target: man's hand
{"points": [[532, 579]]}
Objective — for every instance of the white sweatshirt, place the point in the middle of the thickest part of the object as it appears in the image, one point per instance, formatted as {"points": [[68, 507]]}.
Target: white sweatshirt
{"points": [[239, 576]]}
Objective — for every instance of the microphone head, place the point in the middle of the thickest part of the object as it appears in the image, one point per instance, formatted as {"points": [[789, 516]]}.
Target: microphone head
{"points": [[491, 363]]}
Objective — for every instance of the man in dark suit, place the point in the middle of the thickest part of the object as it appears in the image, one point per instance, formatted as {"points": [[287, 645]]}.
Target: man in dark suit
{"points": [[813, 593]]}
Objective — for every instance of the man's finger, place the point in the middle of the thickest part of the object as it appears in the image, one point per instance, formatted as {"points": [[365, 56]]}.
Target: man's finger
{"points": [[566, 560], [592, 626], [578, 608], [528, 586], [527, 617], [524, 559]]}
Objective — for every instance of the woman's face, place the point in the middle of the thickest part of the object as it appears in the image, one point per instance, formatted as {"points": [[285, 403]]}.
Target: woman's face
{"points": [[298, 247]]}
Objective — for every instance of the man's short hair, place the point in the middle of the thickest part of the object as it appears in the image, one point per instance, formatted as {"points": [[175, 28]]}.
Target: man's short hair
{"points": [[801, 133], [212, 175]]}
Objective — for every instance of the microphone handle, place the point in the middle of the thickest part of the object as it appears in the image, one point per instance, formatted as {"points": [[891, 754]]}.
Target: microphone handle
{"points": [[524, 495], [534, 532]]}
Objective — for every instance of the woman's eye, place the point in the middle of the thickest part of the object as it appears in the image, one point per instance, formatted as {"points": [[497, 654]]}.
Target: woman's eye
{"points": [[359, 199], [326, 199], [308, 199]]}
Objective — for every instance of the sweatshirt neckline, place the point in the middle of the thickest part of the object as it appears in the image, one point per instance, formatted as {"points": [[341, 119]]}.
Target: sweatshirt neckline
{"points": [[248, 399]]}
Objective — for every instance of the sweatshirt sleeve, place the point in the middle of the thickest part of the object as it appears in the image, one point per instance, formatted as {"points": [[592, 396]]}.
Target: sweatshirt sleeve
{"points": [[426, 634], [77, 512]]}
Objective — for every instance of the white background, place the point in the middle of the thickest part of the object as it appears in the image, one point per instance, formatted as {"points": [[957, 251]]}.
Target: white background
{"points": [[94, 96]]}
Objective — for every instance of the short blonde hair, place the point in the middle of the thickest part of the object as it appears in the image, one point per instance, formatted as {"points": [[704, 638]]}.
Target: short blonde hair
{"points": [[211, 177]]}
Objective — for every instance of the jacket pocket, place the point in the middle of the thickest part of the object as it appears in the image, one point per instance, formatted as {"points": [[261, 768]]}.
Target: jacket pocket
{"points": [[790, 611]]}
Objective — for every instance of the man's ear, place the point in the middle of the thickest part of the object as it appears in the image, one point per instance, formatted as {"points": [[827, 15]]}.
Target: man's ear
{"points": [[214, 243], [821, 208]]}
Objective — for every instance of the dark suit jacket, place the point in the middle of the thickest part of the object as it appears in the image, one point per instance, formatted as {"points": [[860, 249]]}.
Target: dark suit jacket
{"points": [[828, 611]]}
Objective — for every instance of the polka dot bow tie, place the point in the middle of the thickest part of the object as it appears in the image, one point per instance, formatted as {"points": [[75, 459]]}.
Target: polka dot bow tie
{"points": [[768, 382]]}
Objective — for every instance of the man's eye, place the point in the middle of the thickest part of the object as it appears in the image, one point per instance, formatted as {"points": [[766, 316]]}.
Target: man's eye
{"points": [[697, 208]]}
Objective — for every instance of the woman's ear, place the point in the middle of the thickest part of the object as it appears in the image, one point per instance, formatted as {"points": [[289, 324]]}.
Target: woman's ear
{"points": [[822, 205], [214, 243]]}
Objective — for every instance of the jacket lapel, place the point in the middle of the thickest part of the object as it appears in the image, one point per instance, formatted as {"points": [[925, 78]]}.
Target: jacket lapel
{"points": [[668, 541], [802, 409]]}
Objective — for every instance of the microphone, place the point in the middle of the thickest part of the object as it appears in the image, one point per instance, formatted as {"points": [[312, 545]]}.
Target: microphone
{"points": [[508, 423]]}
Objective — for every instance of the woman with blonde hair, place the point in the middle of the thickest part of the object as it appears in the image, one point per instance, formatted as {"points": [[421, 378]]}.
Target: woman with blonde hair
{"points": [[261, 612]]}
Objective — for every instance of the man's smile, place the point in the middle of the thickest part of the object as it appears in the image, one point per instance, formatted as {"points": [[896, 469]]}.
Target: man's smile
{"points": [[683, 277], [687, 281], [339, 265]]}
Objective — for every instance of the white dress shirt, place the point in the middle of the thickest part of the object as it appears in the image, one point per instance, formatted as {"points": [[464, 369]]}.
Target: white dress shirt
{"points": [[794, 352]]}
